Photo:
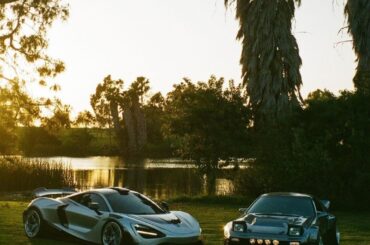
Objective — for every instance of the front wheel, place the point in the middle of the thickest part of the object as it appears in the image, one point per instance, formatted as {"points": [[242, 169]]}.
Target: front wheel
{"points": [[112, 234], [333, 238], [33, 223]]}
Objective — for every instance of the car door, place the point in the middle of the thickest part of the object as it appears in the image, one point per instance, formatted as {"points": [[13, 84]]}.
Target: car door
{"points": [[80, 217]]}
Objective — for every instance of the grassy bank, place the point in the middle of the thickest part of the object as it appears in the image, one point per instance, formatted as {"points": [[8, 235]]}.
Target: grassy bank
{"points": [[354, 226]]}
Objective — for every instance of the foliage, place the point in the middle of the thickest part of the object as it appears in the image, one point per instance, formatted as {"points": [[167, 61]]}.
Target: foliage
{"points": [[23, 37], [206, 123], [17, 108], [30, 174], [108, 92], [270, 57], [155, 115], [76, 142], [59, 119], [37, 141], [23, 44], [358, 17], [323, 150], [85, 119]]}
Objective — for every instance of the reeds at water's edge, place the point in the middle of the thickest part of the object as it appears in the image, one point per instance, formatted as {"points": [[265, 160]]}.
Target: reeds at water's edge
{"points": [[22, 174]]}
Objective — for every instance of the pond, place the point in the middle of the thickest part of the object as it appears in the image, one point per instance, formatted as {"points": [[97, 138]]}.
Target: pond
{"points": [[157, 178]]}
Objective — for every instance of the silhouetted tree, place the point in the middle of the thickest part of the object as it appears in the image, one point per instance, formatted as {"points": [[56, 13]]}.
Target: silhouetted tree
{"points": [[358, 17], [270, 57], [24, 25], [207, 124]]}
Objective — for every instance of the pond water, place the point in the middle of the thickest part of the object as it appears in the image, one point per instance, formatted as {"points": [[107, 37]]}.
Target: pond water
{"points": [[157, 178]]}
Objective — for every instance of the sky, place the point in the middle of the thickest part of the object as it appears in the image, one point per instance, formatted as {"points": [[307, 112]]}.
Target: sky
{"points": [[166, 40]]}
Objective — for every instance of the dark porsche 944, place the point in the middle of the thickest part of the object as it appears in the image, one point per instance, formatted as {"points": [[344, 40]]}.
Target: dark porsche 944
{"points": [[284, 219]]}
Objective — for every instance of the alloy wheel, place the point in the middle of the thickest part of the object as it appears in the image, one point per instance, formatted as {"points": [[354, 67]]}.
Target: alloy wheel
{"points": [[32, 223], [112, 234]]}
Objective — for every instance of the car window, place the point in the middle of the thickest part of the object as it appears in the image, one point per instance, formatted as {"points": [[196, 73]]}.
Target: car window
{"points": [[98, 199], [319, 206], [283, 205], [85, 199], [132, 203], [76, 198]]}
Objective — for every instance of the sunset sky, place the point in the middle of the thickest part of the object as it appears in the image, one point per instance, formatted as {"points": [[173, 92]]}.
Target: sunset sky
{"points": [[166, 40]]}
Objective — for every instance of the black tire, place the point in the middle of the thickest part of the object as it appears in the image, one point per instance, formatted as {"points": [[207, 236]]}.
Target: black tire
{"points": [[34, 224], [332, 237], [320, 241], [112, 226]]}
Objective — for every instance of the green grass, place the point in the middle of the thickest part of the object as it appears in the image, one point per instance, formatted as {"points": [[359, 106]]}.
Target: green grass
{"points": [[354, 227]]}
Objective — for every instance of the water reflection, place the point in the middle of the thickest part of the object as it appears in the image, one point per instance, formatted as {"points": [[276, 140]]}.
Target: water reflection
{"points": [[159, 179]]}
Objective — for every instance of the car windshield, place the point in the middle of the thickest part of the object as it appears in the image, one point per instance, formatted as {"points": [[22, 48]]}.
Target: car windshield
{"points": [[132, 203], [283, 205]]}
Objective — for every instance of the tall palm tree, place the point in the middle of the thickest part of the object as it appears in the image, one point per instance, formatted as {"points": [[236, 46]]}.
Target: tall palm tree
{"points": [[270, 56], [358, 17]]}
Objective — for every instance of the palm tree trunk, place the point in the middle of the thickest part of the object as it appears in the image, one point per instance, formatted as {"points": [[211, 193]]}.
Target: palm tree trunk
{"points": [[358, 17]]}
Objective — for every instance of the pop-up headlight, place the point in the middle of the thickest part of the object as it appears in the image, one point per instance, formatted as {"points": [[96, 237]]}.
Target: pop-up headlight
{"points": [[239, 226]]}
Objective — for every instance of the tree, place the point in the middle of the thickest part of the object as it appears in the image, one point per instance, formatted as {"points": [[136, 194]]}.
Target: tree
{"points": [[105, 101], [358, 18], [122, 109], [207, 124], [60, 118], [17, 108], [85, 119], [23, 40], [270, 57]]}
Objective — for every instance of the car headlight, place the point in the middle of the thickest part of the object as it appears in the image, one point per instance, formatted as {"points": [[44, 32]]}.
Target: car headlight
{"points": [[148, 232], [239, 226], [295, 231]]}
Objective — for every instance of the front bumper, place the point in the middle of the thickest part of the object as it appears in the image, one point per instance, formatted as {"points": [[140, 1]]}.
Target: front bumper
{"points": [[281, 241], [191, 239]]}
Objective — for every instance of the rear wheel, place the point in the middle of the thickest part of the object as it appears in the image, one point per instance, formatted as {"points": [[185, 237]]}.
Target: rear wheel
{"points": [[33, 223], [332, 237], [112, 234]]}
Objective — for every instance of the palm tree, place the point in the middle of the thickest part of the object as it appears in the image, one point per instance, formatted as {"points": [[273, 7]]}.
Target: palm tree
{"points": [[270, 57], [358, 17]]}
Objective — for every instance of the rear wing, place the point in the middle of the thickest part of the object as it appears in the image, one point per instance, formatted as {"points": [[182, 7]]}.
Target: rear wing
{"points": [[42, 192]]}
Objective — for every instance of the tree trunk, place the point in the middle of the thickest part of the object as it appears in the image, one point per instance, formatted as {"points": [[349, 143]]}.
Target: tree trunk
{"points": [[141, 133], [130, 129], [114, 113]]}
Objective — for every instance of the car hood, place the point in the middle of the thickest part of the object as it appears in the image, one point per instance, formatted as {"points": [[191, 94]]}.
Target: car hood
{"points": [[273, 224], [175, 222]]}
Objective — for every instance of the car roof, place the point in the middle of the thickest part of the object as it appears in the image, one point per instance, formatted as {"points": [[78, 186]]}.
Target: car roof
{"points": [[287, 194], [104, 191]]}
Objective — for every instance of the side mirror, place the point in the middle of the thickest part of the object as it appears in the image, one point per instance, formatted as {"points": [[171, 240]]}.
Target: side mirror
{"points": [[94, 206], [165, 206], [326, 204], [243, 210]]}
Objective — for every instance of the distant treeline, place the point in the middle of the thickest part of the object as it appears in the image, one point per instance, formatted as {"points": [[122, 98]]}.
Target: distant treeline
{"points": [[38, 141]]}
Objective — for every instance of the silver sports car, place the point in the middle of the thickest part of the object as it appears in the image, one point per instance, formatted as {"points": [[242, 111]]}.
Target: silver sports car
{"points": [[109, 216]]}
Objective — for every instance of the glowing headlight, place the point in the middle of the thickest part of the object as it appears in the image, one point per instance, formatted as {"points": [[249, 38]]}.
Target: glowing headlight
{"points": [[147, 232], [294, 231], [238, 227]]}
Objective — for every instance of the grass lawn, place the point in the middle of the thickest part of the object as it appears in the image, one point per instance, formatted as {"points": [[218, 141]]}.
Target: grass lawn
{"points": [[354, 227]]}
